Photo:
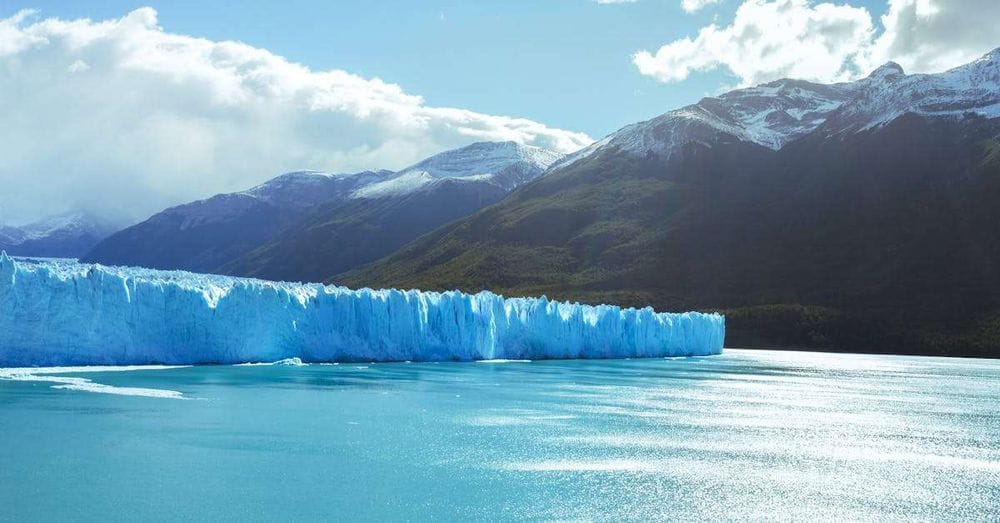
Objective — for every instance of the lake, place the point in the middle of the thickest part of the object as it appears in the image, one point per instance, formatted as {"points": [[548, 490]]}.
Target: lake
{"points": [[745, 435]]}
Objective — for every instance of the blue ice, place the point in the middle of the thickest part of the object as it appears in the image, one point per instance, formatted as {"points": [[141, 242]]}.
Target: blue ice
{"points": [[58, 312]]}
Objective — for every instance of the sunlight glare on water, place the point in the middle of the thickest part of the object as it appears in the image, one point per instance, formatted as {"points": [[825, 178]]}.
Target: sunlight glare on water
{"points": [[745, 435]]}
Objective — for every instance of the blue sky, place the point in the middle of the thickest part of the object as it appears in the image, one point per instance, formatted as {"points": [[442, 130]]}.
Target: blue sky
{"points": [[566, 63]]}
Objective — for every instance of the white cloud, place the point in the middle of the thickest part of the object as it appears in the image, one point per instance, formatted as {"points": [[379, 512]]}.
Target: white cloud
{"points": [[695, 5], [767, 40], [123, 116], [78, 66], [935, 35], [770, 39]]}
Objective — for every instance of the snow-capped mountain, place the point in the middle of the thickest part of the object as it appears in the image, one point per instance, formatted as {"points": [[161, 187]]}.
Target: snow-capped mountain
{"points": [[777, 113], [380, 217], [304, 189], [61, 236], [504, 164], [293, 193], [970, 89], [816, 215], [10, 235], [212, 235]]}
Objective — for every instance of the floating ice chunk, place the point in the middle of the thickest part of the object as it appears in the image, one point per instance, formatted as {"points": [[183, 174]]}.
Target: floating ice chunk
{"points": [[48, 374], [291, 362]]}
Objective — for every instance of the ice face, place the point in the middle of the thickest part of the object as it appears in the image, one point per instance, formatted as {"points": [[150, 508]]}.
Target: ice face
{"points": [[66, 313]]}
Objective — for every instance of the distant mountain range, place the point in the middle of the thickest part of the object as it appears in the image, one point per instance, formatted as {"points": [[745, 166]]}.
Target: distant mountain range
{"points": [[378, 218], [309, 225], [202, 236], [60, 236], [857, 216]]}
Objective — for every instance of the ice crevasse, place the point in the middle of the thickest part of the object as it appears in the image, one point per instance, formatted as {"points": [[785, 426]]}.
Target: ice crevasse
{"points": [[57, 312]]}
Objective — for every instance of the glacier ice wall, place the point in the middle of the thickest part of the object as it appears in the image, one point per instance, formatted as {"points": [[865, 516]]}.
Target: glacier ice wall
{"points": [[55, 312]]}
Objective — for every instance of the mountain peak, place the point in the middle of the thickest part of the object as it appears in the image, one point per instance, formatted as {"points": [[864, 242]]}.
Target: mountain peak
{"points": [[62, 235], [506, 164], [887, 70], [68, 221], [990, 60], [779, 112], [303, 189], [482, 158]]}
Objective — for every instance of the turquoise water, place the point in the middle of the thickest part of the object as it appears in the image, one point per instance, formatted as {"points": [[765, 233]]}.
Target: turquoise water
{"points": [[745, 435]]}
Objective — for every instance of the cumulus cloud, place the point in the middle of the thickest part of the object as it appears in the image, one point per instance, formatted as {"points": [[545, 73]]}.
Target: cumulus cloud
{"points": [[771, 39], [935, 35], [695, 5], [122, 116]]}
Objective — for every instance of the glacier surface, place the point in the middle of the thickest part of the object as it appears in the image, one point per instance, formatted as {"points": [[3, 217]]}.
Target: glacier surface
{"points": [[59, 312]]}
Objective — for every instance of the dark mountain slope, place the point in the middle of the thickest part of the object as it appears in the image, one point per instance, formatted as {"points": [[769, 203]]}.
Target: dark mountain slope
{"points": [[344, 235], [856, 216], [177, 239], [884, 239], [203, 235]]}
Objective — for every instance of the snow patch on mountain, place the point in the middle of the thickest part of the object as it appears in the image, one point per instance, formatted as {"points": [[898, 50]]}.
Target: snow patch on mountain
{"points": [[888, 93], [68, 234], [404, 183], [65, 224], [505, 164], [776, 113], [294, 192], [307, 188]]}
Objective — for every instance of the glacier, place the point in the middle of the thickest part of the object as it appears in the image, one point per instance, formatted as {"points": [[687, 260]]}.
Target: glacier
{"points": [[60, 313]]}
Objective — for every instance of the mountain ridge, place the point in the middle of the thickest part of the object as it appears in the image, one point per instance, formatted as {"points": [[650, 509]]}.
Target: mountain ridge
{"points": [[381, 217], [775, 113], [872, 231], [66, 235], [213, 234]]}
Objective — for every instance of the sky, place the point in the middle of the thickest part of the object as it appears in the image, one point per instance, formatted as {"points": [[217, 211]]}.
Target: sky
{"points": [[124, 107]]}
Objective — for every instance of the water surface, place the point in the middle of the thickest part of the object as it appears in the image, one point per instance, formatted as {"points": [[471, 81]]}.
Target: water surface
{"points": [[745, 435]]}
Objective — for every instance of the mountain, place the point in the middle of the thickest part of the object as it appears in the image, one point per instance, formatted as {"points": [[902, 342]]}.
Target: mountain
{"points": [[854, 216], [60, 236], [380, 217], [308, 225], [203, 235]]}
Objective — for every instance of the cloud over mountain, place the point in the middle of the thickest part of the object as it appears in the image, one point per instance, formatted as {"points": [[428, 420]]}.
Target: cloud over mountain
{"points": [[123, 113], [827, 42]]}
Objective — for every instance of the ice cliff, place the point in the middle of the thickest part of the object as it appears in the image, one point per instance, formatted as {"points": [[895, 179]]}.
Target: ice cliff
{"points": [[55, 312]]}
